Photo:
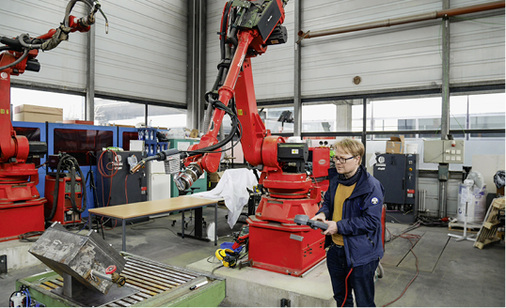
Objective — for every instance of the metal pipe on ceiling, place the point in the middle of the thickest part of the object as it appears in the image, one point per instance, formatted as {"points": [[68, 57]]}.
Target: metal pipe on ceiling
{"points": [[403, 20]]}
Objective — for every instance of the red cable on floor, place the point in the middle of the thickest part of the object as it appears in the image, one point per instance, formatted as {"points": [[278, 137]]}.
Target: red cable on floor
{"points": [[346, 284], [408, 237]]}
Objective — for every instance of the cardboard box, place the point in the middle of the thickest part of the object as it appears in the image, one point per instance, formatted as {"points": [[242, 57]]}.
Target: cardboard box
{"points": [[78, 122], [395, 145], [32, 113]]}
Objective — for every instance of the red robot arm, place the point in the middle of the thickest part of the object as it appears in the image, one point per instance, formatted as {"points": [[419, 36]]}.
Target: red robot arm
{"points": [[259, 25], [19, 55]]}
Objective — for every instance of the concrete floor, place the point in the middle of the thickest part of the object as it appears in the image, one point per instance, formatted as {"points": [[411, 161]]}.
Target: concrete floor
{"points": [[450, 273]]}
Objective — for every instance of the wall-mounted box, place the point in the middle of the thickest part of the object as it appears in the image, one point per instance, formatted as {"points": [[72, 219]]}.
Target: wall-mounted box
{"points": [[443, 151]]}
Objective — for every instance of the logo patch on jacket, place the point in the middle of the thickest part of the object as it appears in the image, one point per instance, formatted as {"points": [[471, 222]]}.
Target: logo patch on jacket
{"points": [[374, 200]]}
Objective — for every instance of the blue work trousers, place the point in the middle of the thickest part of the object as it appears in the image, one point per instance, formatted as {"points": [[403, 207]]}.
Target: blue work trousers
{"points": [[361, 279]]}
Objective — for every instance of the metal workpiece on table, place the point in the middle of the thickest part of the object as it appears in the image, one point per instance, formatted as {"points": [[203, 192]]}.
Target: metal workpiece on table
{"points": [[75, 256], [154, 284]]}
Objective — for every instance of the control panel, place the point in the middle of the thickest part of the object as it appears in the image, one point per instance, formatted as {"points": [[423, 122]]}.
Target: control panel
{"points": [[443, 151]]}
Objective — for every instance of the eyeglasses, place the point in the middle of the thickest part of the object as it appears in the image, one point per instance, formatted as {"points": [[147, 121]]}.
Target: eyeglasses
{"points": [[341, 159]]}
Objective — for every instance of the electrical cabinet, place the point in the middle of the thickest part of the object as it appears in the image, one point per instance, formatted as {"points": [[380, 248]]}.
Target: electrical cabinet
{"points": [[398, 173], [116, 185]]}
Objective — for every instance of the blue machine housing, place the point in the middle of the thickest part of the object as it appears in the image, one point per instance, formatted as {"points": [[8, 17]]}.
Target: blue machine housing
{"points": [[81, 139]]}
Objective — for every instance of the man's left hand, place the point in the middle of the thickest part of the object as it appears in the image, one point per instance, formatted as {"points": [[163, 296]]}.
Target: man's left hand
{"points": [[332, 229]]}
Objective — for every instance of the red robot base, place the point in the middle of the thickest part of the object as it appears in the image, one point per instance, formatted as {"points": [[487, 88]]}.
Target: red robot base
{"points": [[284, 248]]}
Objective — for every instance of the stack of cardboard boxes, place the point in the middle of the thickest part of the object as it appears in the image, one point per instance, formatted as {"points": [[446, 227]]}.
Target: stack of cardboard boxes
{"points": [[32, 113]]}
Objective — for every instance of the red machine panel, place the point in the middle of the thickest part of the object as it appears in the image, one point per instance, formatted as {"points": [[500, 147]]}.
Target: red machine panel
{"points": [[64, 213], [284, 248], [21, 218]]}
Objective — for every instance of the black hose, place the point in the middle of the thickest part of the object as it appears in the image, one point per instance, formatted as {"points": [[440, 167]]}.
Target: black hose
{"points": [[69, 8], [222, 71], [68, 163], [25, 54]]}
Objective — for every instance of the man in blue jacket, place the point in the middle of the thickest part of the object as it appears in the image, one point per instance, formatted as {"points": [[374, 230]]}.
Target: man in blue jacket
{"points": [[352, 209]]}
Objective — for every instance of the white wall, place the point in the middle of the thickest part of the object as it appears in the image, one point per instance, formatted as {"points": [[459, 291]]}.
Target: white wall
{"points": [[272, 71], [63, 66], [406, 56], [143, 55]]}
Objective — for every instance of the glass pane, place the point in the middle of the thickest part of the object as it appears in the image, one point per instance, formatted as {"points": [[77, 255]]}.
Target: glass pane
{"points": [[458, 124], [167, 117], [110, 112], [357, 112], [486, 111], [319, 118], [404, 114], [278, 119], [72, 105], [487, 104], [334, 116]]}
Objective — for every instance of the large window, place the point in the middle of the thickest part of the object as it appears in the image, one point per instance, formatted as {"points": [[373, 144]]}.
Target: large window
{"points": [[278, 119], [319, 118], [334, 116], [72, 105], [487, 112], [478, 111], [112, 112], [166, 117], [404, 114]]}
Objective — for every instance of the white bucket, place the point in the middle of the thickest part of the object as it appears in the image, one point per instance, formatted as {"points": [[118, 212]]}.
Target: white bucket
{"points": [[411, 148]]}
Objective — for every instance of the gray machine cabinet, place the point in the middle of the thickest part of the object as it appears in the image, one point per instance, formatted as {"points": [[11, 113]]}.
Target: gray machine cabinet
{"points": [[398, 173]]}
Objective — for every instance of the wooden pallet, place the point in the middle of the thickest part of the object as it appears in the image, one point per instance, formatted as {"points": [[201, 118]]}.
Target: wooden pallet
{"points": [[459, 226], [488, 230]]}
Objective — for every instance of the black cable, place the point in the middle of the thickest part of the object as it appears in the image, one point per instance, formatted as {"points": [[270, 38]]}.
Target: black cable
{"points": [[25, 54], [69, 163], [219, 266], [227, 139]]}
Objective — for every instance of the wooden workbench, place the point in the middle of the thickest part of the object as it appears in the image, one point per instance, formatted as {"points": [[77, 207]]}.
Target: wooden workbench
{"points": [[130, 211]]}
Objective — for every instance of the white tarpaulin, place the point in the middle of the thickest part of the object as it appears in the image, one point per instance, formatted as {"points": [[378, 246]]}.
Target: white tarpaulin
{"points": [[233, 189]]}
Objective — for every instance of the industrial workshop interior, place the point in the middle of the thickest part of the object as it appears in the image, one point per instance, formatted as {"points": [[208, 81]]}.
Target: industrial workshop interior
{"points": [[252, 153]]}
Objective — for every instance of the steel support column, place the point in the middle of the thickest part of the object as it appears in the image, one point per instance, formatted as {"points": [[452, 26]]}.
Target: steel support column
{"points": [[196, 63], [445, 112], [89, 113], [297, 98]]}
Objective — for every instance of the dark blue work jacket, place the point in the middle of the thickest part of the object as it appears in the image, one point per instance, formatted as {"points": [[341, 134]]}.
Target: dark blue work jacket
{"points": [[361, 223]]}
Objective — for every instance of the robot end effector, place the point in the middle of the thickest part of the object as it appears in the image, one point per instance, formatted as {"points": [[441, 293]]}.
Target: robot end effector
{"points": [[184, 180]]}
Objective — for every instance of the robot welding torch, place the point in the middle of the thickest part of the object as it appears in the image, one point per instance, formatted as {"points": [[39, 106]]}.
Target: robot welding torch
{"points": [[169, 154]]}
